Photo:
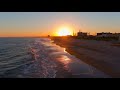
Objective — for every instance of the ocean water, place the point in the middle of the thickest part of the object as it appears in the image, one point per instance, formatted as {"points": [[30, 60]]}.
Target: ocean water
{"points": [[41, 58]]}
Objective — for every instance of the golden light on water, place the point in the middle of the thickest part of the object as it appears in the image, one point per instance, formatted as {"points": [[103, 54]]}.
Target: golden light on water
{"points": [[64, 31], [65, 60]]}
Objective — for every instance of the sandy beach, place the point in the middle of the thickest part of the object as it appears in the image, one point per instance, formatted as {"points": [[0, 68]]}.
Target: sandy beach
{"points": [[102, 55]]}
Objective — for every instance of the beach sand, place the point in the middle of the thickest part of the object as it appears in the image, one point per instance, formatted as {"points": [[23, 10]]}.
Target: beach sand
{"points": [[102, 55]]}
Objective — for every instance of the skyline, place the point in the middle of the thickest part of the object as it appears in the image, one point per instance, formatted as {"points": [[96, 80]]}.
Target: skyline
{"points": [[13, 24]]}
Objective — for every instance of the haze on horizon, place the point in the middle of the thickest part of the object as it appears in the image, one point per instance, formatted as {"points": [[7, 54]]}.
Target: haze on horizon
{"points": [[19, 24]]}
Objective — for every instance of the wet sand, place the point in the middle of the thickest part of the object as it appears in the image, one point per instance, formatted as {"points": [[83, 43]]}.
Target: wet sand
{"points": [[100, 54]]}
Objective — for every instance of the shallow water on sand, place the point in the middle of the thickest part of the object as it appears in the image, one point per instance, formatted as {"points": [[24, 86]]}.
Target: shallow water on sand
{"points": [[40, 58]]}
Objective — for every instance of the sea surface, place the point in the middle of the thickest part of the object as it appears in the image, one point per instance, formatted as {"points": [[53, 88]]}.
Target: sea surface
{"points": [[41, 58]]}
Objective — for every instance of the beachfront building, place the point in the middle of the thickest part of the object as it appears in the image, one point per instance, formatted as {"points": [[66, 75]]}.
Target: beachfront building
{"points": [[82, 34], [108, 34], [103, 34], [116, 34]]}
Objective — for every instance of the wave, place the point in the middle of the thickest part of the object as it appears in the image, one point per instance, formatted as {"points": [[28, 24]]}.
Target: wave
{"points": [[43, 63], [45, 59]]}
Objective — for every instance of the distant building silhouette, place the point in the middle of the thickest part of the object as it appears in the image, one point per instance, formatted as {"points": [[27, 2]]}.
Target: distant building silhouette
{"points": [[103, 34], [108, 34], [81, 34], [116, 34]]}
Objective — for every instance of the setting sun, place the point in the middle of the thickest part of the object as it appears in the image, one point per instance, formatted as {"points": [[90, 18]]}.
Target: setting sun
{"points": [[64, 31]]}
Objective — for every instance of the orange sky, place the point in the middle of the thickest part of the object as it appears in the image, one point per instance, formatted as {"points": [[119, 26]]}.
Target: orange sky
{"points": [[19, 24]]}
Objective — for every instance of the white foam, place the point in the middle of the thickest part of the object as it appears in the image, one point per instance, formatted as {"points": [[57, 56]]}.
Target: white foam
{"points": [[46, 54]]}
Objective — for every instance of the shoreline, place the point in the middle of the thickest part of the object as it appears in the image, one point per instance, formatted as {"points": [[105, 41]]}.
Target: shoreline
{"points": [[85, 57]]}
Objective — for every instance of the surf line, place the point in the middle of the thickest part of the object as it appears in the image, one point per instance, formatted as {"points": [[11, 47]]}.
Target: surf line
{"points": [[33, 53]]}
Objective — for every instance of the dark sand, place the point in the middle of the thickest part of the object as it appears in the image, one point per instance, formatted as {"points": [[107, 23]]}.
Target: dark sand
{"points": [[100, 54]]}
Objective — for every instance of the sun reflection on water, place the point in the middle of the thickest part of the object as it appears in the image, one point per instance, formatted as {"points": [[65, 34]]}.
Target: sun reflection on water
{"points": [[64, 60], [64, 49]]}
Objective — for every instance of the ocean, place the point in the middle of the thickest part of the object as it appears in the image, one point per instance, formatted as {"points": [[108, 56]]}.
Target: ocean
{"points": [[41, 58]]}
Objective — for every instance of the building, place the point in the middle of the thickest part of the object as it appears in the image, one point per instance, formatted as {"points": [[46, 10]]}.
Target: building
{"points": [[110, 35], [116, 34], [103, 34], [82, 34]]}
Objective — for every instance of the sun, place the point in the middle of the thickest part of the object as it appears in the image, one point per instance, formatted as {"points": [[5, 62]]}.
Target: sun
{"points": [[64, 31]]}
